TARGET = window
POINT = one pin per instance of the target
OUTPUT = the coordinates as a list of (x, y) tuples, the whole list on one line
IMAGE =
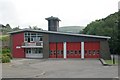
[(26, 39), (62, 52), (40, 38), (37, 39), (25, 33), (50, 52), (75, 52), (79, 51), (28, 33), (33, 34), (93, 52), (54, 52), (67, 52), (32, 37), (40, 51), (33, 51), (26, 51), (41, 44), (71, 52), (38, 34), (29, 51), (89, 51), (58, 52), (98, 51)]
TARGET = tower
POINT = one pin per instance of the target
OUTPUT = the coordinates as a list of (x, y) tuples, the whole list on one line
[(53, 23)]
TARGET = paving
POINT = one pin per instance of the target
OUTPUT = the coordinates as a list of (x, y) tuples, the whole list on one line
[(58, 68)]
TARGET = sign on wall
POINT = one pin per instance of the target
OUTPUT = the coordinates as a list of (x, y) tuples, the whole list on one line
[(18, 47)]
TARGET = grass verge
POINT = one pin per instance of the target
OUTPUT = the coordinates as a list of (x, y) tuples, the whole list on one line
[(111, 62)]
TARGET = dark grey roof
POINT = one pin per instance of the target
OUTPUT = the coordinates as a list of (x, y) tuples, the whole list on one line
[(53, 18), (54, 32)]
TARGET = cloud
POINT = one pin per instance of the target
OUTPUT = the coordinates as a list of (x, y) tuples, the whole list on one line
[(119, 5), (8, 12), (71, 12)]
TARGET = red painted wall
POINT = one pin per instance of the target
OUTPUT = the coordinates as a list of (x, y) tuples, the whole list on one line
[(17, 40)]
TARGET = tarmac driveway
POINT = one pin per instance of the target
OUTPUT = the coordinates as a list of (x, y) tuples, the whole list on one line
[(58, 68)]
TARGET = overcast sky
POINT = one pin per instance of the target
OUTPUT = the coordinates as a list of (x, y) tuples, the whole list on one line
[(71, 12)]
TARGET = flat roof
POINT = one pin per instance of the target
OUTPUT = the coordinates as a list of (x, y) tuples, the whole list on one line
[(53, 18), (62, 33)]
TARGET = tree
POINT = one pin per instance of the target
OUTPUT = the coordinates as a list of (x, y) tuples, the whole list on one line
[(6, 29), (8, 26), (118, 25), (35, 28), (16, 28), (105, 27)]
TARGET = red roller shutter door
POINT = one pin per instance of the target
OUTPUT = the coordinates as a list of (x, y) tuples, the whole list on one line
[(60, 50), (92, 49), (52, 50), (73, 50), (56, 50)]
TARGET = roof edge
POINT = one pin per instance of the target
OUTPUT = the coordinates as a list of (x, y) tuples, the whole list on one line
[(53, 32)]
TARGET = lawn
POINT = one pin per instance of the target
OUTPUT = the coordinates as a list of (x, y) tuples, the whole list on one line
[(4, 37), (111, 62)]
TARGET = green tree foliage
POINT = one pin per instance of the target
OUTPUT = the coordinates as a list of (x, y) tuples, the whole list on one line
[(5, 58), (118, 47), (16, 28), (105, 27), (5, 29), (5, 55), (35, 28)]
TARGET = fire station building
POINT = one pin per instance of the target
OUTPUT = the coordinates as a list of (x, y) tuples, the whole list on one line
[(29, 43)]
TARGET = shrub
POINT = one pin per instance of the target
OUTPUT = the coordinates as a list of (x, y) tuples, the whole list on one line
[(0, 51), (8, 54), (5, 50), (5, 59)]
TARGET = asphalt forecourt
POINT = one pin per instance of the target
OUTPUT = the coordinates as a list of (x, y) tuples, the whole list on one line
[(58, 68)]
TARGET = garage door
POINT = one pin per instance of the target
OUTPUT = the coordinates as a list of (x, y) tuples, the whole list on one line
[(73, 49), (92, 49), (56, 50)]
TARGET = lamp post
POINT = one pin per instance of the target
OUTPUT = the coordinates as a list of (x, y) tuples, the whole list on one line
[(113, 47), (113, 57), (114, 41)]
